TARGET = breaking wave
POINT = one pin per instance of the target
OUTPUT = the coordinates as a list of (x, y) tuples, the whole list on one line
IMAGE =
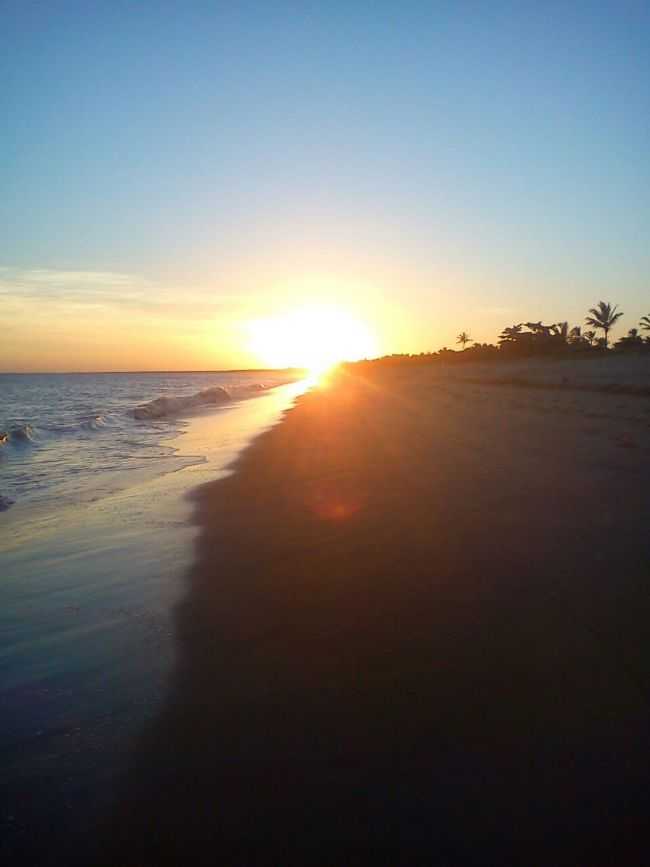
[(59, 434), (21, 434), (162, 407), (27, 434)]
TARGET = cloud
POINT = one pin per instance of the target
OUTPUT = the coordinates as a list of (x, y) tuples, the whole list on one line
[(51, 278), (46, 285), (76, 291)]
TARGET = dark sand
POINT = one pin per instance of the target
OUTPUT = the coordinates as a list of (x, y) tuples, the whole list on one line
[(417, 633)]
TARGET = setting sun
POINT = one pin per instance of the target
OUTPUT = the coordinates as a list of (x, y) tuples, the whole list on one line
[(314, 338)]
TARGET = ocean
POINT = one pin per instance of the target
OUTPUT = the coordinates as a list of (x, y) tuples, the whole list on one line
[(66, 436), (96, 539)]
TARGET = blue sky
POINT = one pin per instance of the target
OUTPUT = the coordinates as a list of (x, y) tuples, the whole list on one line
[(437, 166)]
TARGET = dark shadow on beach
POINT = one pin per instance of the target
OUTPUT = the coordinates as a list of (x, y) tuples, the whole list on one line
[(413, 634)]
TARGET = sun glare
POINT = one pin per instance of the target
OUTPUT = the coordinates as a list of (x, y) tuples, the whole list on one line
[(315, 338)]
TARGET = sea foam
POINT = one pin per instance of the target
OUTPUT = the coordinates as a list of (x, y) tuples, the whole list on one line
[(163, 407), (64, 435)]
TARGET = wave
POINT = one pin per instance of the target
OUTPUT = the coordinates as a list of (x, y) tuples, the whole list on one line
[(27, 434), (162, 407), (21, 434)]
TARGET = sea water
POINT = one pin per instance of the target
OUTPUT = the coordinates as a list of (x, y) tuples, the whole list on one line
[(64, 436), (94, 548)]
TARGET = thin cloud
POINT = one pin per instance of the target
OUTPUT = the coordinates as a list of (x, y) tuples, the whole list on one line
[(93, 290), (55, 278)]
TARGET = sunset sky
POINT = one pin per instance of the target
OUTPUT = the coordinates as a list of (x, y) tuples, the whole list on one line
[(172, 174)]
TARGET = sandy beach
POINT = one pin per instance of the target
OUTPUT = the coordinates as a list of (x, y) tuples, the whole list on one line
[(416, 632), (324, 434)]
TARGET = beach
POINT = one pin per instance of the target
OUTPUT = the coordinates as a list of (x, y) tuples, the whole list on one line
[(415, 632), (324, 434), (92, 562)]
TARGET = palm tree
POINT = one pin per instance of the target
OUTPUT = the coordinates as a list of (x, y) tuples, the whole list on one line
[(463, 338), (603, 317), (645, 322)]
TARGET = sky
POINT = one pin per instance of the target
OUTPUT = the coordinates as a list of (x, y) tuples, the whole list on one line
[(171, 173)]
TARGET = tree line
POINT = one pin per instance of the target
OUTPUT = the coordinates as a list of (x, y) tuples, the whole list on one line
[(535, 339)]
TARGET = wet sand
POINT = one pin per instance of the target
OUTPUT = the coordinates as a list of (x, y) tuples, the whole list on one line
[(416, 633), (87, 638)]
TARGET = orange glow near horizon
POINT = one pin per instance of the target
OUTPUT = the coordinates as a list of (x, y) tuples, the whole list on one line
[(315, 338)]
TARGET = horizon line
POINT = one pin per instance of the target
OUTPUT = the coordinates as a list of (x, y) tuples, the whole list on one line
[(105, 372)]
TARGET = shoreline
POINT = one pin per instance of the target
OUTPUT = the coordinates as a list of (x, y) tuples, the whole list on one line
[(118, 432), (88, 644), (375, 663)]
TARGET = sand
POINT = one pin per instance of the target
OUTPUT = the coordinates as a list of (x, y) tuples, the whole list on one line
[(416, 632)]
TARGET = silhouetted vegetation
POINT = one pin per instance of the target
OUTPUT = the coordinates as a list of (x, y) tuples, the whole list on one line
[(537, 340), (603, 317), (631, 342)]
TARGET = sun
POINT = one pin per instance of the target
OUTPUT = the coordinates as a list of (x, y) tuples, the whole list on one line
[(314, 338)]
